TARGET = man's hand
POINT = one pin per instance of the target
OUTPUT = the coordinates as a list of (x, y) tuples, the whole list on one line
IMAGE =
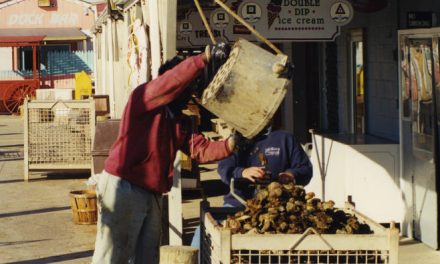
[(286, 177), (253, 173), (217, 54)]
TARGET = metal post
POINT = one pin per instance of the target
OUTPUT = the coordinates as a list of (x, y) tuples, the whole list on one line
[(13, 58), (34, 62)]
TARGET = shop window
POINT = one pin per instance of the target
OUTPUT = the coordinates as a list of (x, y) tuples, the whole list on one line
[(24, 62), (47, 61), (357, 82)]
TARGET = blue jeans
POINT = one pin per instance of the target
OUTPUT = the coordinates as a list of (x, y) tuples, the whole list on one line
[(129, 222)]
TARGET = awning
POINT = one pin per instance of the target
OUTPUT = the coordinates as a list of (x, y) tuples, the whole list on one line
[(20, 39), (8, 35)]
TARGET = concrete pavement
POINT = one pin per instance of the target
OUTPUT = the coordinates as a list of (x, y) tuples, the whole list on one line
[(36, 219)]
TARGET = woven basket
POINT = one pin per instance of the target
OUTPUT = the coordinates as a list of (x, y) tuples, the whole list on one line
[(84, 207)]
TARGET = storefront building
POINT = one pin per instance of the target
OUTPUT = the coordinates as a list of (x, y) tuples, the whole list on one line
[(373, 142), (60, 31)]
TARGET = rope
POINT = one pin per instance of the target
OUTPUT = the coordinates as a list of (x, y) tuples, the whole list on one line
[(241, 20), (205, 21), (131, 44)]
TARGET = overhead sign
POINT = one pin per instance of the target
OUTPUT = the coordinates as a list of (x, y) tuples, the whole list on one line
[(277, 20), (419, 19), (27, 14)]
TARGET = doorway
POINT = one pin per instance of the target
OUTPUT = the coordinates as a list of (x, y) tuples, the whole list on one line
[(306, 97), (419, 89), (357, 85)]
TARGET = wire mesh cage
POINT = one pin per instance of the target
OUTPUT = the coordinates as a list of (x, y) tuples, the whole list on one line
[(218, 245), (58, 135)]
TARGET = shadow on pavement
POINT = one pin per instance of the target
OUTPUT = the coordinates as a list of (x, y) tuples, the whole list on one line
[(11, 146), (58, 258), (64, 175), (408, 242), (36, 211), (2, 244), (11, 181)]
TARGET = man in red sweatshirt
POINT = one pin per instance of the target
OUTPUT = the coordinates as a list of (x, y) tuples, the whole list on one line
[(139, 168)]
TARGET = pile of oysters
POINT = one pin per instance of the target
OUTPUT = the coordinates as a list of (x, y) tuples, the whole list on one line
[(288, 209)]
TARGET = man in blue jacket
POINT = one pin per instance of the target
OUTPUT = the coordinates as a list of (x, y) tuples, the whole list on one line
[(284, 160), (274, 154)]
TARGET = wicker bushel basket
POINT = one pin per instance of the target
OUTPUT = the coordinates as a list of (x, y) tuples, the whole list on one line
[(84, 207)]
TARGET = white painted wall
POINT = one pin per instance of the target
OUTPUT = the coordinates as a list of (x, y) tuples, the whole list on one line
[(369, 173), (121, 86), (5, 59)]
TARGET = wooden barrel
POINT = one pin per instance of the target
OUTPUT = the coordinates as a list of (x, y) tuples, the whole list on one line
[(247, 90), (178, 255), (84, 207)]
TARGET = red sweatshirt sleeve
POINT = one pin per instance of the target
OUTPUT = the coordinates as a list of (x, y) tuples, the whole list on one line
[(168, 86), (203, 150)]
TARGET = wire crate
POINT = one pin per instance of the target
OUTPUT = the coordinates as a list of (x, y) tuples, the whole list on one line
[(58, 135), (218, 245)]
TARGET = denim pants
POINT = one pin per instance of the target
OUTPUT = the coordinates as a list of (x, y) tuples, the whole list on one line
[(129, 223)]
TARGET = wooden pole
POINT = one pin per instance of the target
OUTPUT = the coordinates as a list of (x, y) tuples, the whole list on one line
[(178, 255), (168, 24), (154, 37), (175, 211), (241, 20)]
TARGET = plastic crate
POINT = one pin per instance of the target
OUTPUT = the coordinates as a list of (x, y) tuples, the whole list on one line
[(218, 245)]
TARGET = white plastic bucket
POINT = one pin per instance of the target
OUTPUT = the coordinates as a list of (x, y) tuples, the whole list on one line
[(247, 90)]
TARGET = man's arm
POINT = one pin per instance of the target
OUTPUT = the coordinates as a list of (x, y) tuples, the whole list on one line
[(228, 168), (167, 87), (203, 150)]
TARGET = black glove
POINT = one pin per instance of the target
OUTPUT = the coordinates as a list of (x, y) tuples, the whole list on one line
[(220, 53), (217, 55)]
